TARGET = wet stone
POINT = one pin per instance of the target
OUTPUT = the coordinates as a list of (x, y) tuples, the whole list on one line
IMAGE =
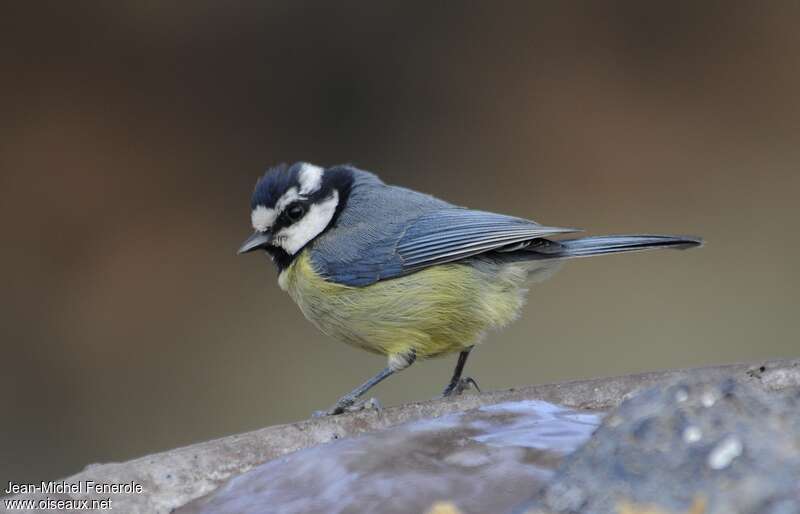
[(717, 448), (482, 461)]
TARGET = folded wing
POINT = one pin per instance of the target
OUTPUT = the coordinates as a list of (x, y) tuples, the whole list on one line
[(452, 234)]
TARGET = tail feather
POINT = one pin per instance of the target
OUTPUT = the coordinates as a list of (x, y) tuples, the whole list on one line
[(599, 245)]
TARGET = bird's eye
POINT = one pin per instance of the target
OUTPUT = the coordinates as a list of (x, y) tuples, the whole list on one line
[(295, 212)]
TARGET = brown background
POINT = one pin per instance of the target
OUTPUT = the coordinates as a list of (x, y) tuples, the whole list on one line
[(132, 134)]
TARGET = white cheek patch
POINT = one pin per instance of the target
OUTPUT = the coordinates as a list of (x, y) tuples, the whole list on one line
[(310, 178), (296, 236)]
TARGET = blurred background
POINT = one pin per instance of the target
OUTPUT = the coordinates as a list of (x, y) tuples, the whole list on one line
[(132, 133)]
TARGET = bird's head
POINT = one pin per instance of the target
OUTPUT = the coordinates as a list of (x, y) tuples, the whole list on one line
[(292, 205)]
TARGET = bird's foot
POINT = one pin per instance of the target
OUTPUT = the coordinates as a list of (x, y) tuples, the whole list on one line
[(456, 387), (350, 404), (371, 404)]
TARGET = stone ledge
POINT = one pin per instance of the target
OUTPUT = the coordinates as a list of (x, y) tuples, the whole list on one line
[(171, 479)]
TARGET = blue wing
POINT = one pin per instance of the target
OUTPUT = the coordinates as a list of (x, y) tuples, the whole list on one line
[(452, 234), (387, 232), (374, 252)]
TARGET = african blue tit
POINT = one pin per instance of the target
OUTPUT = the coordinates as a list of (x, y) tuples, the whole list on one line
[(401, 273)]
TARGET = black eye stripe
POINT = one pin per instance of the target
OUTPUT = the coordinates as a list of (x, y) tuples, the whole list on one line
[(291, 214)]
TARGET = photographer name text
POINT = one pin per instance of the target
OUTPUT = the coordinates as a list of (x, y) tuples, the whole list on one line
[(78, 487)]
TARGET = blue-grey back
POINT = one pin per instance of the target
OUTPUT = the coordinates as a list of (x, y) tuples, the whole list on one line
[(385, 231), (362, 247)]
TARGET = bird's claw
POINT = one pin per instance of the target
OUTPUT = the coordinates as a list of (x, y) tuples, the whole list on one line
[(350, 404), (455, 388), (371, 404)]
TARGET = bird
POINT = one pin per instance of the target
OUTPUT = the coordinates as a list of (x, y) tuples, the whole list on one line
[(404, 274)]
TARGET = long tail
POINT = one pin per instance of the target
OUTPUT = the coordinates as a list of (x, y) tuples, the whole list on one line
[(599, 245)]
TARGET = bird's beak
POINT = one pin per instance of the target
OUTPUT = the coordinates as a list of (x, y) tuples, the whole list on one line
[(256, 241)]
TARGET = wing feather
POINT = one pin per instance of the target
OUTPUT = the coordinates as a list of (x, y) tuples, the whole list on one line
[(445, 242), (451, 234)]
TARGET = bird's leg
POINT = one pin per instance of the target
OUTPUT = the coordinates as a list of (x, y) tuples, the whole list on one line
[(347, 401), (397, 363), (457, 384)]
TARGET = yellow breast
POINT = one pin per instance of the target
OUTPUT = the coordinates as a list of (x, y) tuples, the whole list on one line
[(439, 310)]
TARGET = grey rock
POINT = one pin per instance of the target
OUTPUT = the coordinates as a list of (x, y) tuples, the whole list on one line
[(724, 444), (172, 478), (484, 461)]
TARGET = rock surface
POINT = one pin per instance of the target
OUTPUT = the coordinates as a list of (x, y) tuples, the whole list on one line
[(486, 460), (171, 479), (720, 447)]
